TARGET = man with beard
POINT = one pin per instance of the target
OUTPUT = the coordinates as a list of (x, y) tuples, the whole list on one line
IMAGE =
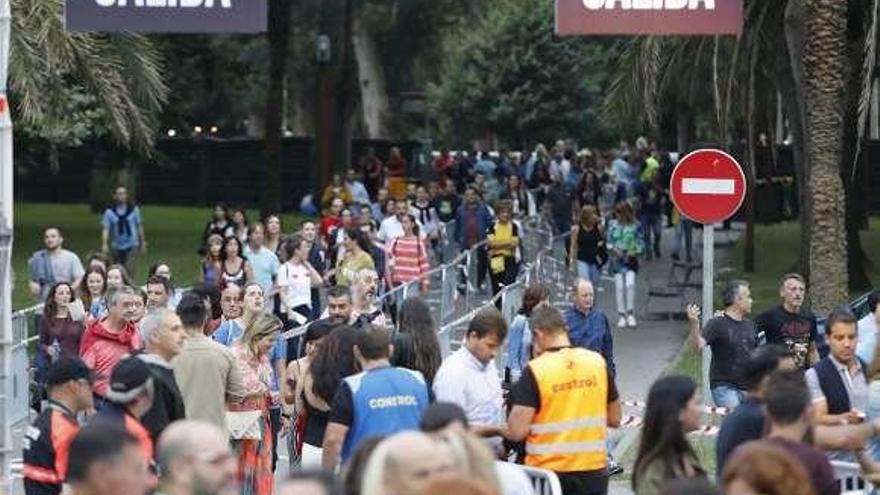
[(363, 291), (196, 460)]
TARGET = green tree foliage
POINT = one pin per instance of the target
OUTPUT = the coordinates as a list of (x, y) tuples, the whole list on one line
[(68, 86), (507, 74)]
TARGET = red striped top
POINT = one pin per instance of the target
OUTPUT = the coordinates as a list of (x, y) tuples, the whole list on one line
[(408, 259)]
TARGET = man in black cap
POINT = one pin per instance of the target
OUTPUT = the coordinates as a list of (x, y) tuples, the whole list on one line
[(47, 441), (129, 397)]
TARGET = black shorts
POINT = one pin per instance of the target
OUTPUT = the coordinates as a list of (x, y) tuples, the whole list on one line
[(584, 482)]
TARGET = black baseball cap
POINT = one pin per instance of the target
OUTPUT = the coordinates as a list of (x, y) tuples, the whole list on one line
[(69, 369), (127, 380)]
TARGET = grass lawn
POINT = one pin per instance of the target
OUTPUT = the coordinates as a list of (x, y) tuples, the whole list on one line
[(776, 248), (173, 236)]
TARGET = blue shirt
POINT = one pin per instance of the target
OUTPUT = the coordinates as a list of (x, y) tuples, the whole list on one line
[(591, 331), (265, 265), (123, 228), (378, 402), (230, 331)]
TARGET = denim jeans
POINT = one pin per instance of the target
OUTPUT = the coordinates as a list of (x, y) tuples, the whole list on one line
[(727, 396), (588, 271), (652, 228)]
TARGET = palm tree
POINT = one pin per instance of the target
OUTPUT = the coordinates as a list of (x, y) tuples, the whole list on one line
[(116, 79), (824, 79)]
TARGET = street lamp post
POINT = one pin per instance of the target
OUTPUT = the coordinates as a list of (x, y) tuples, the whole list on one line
[(5, 250)]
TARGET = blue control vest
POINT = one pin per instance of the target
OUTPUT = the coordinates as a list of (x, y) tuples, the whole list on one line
[(385, 401)]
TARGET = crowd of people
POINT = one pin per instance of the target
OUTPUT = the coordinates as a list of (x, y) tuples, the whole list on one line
[(284, 345)]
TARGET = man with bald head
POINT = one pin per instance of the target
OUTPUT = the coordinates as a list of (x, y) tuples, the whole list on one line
[(195, 459), (405, 463), (588, 327)]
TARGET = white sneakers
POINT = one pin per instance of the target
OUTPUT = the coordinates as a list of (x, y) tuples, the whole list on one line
[(627, 322)]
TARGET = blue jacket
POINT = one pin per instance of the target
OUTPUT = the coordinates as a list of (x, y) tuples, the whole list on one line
[(519, 345), (591, 331), (384, 401), (484, 220)]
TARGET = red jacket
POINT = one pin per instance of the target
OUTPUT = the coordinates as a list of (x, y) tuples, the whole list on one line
[(101, 349)]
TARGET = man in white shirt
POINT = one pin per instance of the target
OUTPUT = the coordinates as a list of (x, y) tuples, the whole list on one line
[(391, 227), (470, 378)]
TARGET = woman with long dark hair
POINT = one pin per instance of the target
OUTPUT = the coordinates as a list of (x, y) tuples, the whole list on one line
[(60, 330), (408, 256), (332, 362), (672, 412), (356, 258), (273, 233), (519, 342), (240, 223), (93, 288), (415, 344), (219, 223), (234, 266)]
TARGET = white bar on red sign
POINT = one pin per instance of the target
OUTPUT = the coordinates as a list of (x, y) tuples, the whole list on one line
[(707, 186)]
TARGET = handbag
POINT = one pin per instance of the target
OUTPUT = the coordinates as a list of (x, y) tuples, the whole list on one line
[(244, 425)]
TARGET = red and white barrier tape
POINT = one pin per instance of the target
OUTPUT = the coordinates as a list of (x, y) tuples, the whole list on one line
[(710, 410), (632, 421)]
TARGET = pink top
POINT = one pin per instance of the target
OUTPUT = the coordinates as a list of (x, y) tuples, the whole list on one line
[(256, 374)]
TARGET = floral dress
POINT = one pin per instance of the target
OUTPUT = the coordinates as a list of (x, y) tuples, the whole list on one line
[(626, 243), (255, 474)]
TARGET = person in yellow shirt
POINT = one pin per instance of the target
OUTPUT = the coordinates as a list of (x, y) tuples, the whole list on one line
[(562, 405), (504, 253)]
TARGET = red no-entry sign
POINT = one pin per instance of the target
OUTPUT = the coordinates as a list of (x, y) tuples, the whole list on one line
[(708, 186)]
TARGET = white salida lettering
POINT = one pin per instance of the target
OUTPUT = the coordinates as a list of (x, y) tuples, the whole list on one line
[(640, 4)]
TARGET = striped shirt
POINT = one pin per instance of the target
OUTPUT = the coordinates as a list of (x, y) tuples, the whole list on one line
[(408, 259)]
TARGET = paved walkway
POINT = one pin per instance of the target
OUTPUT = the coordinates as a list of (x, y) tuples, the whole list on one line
[(644, 353)]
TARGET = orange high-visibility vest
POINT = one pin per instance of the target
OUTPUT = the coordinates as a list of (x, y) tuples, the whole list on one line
[(569, 430)]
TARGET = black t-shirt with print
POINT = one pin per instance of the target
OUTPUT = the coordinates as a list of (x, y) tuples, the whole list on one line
[(797, 331), (732, 342)]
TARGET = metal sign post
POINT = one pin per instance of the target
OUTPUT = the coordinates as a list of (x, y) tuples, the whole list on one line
[(708, 297), (5, 251), (708, 186)]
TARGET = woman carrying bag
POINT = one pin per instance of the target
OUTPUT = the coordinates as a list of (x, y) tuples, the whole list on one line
[(249, 423)]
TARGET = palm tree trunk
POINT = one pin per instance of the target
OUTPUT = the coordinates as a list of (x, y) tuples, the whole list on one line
[(790, 77), (824, 63), (279, 37), (371, 78)]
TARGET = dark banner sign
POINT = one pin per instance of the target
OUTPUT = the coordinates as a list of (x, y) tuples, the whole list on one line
[(166, 16), (586, 17)]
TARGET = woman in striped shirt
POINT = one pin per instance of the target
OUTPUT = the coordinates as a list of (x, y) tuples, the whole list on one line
[(407, 256)]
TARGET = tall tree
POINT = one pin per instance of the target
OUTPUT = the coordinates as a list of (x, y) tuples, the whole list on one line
[(824, 73), (279, 38)]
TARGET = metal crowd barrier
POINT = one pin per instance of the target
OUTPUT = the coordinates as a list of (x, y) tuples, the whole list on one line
[(17, 387)]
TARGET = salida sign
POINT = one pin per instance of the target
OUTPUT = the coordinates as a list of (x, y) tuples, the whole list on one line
[(166, 16), (648, 16)]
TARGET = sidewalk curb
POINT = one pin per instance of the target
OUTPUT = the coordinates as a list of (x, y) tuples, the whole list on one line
[(629, 437)]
